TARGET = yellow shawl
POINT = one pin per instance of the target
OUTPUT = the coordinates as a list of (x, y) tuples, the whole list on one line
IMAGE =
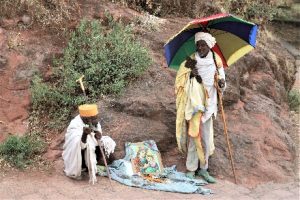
[(182, 96)]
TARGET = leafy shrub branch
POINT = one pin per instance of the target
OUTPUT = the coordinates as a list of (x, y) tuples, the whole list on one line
[(20, 151), (109, 58)]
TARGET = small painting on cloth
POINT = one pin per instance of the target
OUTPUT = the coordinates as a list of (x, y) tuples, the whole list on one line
[(145, 157)]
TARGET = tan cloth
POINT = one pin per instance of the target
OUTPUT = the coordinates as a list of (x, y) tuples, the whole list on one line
[(182, 77)]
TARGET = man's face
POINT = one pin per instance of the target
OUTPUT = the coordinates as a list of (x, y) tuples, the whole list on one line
[(149, 158), (142, 153), (202, 48), (91, 120)]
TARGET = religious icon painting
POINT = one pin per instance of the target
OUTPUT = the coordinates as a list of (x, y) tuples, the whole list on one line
[(145, 157)]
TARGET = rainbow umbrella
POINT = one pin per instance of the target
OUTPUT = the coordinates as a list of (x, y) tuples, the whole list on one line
[(235, 38)]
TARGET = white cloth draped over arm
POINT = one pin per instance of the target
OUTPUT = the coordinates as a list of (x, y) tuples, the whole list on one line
[(72, 149), (196, 98), (108, 144), (222, 76), (90, 157), (221, 72)]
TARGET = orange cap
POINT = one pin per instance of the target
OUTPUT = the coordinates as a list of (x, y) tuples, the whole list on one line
[(88, 110)]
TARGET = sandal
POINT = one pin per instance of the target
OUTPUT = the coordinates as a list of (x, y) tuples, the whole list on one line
[(205, 175), (190, 175)]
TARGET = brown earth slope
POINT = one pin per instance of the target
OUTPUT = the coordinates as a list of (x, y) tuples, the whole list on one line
[(255, 101)]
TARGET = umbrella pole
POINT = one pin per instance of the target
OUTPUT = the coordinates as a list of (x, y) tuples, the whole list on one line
[(226, 133), (100, 147)]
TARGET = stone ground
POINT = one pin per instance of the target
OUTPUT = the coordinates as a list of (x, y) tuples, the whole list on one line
[(54, 185)]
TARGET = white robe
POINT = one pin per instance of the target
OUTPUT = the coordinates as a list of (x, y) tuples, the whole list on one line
[(72, 150), (206, 69)]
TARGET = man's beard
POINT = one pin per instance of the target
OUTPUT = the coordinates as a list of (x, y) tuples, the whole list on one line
[(202, 55)]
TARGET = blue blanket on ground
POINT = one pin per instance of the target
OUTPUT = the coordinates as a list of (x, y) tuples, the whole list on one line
[(174, 181), (170, 180)]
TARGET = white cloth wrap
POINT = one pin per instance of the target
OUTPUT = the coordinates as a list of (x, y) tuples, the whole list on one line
[(208, 38), (72, 150), (108, 144), (206, 69)]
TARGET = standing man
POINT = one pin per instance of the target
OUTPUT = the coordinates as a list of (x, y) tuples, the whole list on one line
[(81, 150), (196, 86)]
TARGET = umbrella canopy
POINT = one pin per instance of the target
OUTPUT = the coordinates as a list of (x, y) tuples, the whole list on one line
[(235, 37)]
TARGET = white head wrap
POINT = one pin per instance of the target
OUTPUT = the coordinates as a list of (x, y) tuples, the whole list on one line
[(208, 38)]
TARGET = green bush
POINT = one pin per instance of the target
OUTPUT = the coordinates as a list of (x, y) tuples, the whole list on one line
[(294, 100), (109, 58), (50, 104), (20, 151)]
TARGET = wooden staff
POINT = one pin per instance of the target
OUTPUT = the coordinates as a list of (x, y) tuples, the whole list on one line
[(225, 131), (105, 163), (223, 116)]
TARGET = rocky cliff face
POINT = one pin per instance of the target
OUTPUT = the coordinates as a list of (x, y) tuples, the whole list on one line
[(258, 116), (22, 54)]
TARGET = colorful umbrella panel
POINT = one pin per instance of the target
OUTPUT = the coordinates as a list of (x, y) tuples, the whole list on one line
[(235, 37)]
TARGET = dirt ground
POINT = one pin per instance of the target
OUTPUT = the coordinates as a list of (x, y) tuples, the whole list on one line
[(54, 185)]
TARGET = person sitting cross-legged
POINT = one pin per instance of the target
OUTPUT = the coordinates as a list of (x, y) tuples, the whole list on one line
[(81, 150)]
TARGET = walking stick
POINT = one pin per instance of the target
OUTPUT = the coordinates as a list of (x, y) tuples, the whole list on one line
[(105, 163), (93, 128), (225, 132)]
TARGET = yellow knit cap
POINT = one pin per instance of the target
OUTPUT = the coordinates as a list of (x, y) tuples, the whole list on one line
[(88, 110)]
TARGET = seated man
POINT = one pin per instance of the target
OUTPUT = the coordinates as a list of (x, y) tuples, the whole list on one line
[(81, 150)]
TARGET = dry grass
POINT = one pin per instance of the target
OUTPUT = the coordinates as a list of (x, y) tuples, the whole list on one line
[(149, 22), (191, 8), (46, 13), (259, 11)]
